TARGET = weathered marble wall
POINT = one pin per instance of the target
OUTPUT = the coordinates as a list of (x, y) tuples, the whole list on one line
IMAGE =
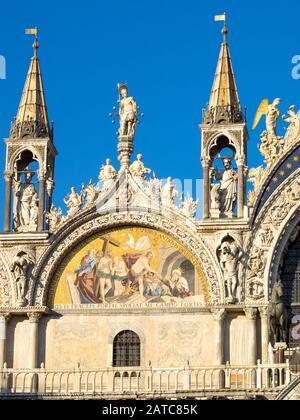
[(167, 340)]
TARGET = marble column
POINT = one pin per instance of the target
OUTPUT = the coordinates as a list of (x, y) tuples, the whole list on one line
[(41, 203), (206, 188), (251, 315), (219, 317), (8, 196), (264, 316), (4, 318), (241, 190), (34, 319)]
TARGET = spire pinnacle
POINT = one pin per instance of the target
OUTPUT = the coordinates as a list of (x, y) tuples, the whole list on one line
[(225, 29), (32, 117), (224, 104)]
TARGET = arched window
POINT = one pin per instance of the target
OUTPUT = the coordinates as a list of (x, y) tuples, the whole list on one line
[(127, 350)]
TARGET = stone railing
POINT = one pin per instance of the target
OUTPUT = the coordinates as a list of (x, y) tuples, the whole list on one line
[(149, 381)]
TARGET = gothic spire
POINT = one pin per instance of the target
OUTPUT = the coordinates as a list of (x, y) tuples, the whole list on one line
[(32, 118), (224, 104)]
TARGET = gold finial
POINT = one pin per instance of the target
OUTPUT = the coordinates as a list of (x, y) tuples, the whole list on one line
[(35, 32)]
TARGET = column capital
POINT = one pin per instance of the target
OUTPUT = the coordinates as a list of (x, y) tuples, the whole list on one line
[(34, 317), (240, 160), (7, 176), (218, 314), (5, 316), (206, 161), (264, 312), (251, 313)]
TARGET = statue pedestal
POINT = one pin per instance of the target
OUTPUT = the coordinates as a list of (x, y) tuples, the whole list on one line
[(125, 150), (21, 303), (279, 350)]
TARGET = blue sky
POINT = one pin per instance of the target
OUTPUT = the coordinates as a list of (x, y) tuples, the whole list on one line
[(167, 52)]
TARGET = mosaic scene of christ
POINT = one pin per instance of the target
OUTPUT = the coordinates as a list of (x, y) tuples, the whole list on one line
[(132, 265)]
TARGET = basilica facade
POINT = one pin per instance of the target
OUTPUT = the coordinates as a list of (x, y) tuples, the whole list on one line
[(127, 293)]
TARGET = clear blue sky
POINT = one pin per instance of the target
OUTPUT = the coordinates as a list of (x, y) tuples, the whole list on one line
[(166, 50)]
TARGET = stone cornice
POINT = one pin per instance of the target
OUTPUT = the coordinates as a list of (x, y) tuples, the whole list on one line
[(147, 309), (10, 310)]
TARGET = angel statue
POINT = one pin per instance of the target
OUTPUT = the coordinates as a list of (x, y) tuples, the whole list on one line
[(272, 114), (74, 202), (272, 144), (128, 112)]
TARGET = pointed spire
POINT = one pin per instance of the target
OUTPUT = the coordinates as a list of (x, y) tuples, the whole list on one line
[(32, 117), (224, 103)]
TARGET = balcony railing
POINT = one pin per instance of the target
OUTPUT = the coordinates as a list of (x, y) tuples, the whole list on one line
[(133, 381)]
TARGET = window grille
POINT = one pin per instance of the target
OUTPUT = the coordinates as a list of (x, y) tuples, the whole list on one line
[(127, 350)]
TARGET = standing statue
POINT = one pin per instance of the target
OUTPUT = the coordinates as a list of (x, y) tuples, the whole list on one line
[(272, 114), (74, 202), (108, 176), (26, 211), (278, 318), (154, 189), (230, 256), (169, 193), (138, 169), (91, 193), (50, 186), (228, 189), (21, 268), (53, 218), (128, 113)]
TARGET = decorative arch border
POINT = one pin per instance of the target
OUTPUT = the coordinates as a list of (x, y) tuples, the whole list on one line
[(23, 148), (281, 244), (7, 286), (269, 175), (268, 236), (233, 140), (72, 236)]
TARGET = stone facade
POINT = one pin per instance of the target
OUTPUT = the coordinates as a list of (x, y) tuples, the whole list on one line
[(202, 295)]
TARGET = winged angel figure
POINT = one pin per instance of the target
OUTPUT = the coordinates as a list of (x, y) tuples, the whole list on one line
[(272, 144)]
